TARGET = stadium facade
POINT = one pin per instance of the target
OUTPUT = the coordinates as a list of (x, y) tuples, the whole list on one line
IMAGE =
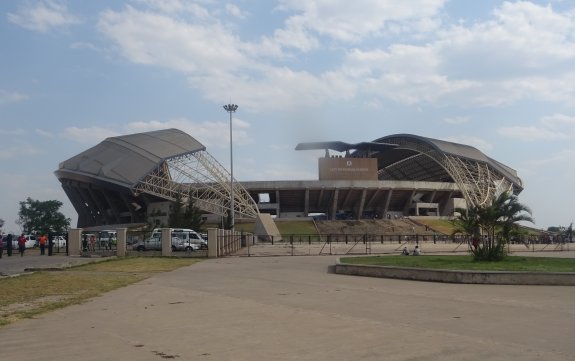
[(135, 178)]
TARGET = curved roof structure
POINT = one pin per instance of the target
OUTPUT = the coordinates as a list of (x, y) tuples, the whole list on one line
[(128, 159), (108, 182), (124, 180), (417, 158)]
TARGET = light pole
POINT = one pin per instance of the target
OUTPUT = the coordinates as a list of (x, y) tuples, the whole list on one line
[(231, 108)]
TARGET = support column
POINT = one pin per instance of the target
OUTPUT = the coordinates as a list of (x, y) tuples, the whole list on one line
[(387, 201), (306, 202), (212, 242), (361, 204), (121, 235), (334, 204), (408, 203), (278, 203), (74, 241), (166, 242)]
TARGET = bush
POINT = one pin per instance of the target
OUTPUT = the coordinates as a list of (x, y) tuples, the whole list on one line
[(486, 252)]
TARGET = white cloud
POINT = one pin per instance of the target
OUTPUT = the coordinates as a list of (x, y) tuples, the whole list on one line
[(7, 97), (88, 136), (18, 150), (352, 21), (175, 7), (84, 45), (553, 127), (235, 11), (556, 167), (43, 15), (156, 39), (211, 134), (471, 65), (560, 121), (530, 133), (12, 132), (456, 120), (44, 133)]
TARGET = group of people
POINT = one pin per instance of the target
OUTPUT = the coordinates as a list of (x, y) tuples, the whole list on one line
[(6, 242), (416, 251)]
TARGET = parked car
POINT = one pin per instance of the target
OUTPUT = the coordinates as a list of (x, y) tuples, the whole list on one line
[(59, 242), (30, 241), (155, 244), (107, 238)]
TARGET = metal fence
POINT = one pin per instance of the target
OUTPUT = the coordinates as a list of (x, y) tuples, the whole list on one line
[(374, 244)]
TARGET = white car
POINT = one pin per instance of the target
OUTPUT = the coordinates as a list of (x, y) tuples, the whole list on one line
[(154, 243), (59, 242)]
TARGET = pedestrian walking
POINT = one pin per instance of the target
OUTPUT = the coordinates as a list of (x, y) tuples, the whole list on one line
[(42, 242), (21, 244)]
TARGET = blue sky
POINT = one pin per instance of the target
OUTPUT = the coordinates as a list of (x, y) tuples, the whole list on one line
[(498, 75)]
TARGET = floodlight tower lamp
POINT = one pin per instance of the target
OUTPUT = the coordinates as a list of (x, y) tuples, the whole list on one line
[(231, 108)]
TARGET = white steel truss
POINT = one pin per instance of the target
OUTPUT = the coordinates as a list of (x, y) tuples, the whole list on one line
[(478, 182), (199, 176)]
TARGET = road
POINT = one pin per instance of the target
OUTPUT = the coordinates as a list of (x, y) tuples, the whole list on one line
[(292, 308)]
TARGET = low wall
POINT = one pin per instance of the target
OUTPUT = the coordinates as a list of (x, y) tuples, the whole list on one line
[(450, 276)]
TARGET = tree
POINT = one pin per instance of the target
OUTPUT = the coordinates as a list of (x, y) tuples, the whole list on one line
[(496, 224), (42, 216), (176, 218), (186, 216), (467, 223), (194, 216), (569, 232)]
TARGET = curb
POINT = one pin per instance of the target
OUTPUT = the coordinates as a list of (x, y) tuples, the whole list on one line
[(452, 276)]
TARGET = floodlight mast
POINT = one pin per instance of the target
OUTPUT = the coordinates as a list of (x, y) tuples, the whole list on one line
[(231, 108)]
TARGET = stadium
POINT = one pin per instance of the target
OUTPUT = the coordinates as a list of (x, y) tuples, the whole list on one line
[(133, 179)]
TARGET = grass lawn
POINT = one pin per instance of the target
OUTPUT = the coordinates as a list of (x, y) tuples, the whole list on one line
[(30, 295), (511, 263), (296, 227)]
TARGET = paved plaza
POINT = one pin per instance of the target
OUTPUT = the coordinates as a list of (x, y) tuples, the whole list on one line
[(14, 265), (293, 308)]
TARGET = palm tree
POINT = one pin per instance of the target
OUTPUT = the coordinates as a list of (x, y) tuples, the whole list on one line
[(497, 222), (467, 223), (511, 212)]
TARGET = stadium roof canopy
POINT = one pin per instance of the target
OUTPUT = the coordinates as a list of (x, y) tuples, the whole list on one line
[(417, 158), (128, 159), (343, 146), (108, 180)]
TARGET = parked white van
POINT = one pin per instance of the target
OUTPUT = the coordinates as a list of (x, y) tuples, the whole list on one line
[(190, 239), (30, 241)]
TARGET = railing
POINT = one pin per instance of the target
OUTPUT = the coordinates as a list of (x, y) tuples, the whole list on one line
[(362, 244)]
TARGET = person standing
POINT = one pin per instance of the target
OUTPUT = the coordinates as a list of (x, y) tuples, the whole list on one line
[(9, 244), (93, 243), (42, 242), (1, 245), (21, 244)]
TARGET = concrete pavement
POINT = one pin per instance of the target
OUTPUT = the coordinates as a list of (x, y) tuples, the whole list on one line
[(291, 308), (10, 266)]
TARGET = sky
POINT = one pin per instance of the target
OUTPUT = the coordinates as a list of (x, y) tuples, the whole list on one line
[(497, 75)]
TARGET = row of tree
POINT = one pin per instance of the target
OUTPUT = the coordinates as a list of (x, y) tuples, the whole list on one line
[(36, 216), (41, 217)]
